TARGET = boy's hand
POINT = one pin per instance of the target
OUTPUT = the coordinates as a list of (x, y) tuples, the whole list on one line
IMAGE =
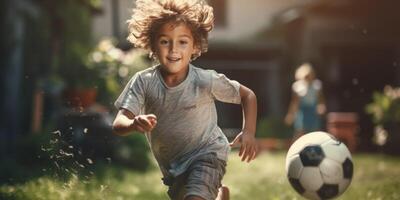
[(144, 123), (248, 146)]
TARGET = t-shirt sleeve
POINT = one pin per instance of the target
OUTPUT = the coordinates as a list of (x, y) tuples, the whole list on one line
[(224, 89), (317, 84), (132, 97)]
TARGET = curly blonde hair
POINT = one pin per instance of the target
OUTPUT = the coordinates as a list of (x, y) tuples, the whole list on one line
[(303, 71), (150, 15)]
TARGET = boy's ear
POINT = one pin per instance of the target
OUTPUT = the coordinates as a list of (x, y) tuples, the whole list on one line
[(197, 50), (196, 54)]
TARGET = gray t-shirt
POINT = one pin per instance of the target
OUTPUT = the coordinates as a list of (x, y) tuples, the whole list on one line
[(186, 114)]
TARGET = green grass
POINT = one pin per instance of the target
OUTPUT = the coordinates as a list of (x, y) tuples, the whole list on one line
[(376, 177)]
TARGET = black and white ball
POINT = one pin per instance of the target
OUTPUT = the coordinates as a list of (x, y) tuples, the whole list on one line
[(319, 166)]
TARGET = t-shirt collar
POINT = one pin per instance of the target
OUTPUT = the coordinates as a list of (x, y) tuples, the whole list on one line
[(180, 85)]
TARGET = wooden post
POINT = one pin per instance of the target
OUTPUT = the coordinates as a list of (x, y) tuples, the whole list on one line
[(37, 113)]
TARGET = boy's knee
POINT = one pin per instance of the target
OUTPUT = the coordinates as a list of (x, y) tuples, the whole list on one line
[(193, 197)]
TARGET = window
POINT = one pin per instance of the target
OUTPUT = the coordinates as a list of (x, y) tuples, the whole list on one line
[(220, 12)]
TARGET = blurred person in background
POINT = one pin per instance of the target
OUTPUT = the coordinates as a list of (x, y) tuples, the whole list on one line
[(307, 104)]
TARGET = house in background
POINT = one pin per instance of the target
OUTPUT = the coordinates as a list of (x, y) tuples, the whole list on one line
[(353, 44), (235, 20), (237, 47)]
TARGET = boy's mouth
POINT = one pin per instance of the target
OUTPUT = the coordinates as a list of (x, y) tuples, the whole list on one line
[(173, 59)]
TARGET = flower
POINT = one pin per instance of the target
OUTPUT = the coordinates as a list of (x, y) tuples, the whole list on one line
[(385, 107), (385, 111), (112, 61), (380, 136), (113, 66)]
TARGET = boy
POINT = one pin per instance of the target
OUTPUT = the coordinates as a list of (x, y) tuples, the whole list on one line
[(173, 102)]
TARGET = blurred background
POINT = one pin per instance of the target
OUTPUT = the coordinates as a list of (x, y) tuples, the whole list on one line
[(65, 62)]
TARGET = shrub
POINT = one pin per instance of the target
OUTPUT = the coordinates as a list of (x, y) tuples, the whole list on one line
[(385, 111), (385, 107), (271, 127)]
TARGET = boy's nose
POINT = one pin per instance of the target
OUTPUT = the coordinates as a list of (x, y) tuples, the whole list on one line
[(173, 47)]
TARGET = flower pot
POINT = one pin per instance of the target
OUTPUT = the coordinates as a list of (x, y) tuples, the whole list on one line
[(344, 126), (82, 97)]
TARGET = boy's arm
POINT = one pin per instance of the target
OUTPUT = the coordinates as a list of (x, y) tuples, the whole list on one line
[(126, 122), (247, 139), (293, 106), (321, 107)]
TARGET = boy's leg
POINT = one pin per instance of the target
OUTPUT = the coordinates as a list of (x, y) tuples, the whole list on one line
[(204, 178), (223, 193), (176, 186)]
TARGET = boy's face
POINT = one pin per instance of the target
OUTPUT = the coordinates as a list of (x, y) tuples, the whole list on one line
[(174, 46)]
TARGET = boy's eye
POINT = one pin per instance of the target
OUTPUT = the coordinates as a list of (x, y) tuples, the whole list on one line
[(163, 42), (183, 42)]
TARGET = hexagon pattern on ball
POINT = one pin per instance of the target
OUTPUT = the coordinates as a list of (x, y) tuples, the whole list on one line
[(328, 191), (311, 155), (347, 168), (318, 166), (295, 167)]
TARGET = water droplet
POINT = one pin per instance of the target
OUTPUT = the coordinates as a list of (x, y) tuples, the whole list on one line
[(53, 141), (58, 166), (68, 154), (355, 81), (44, 149), (57, 132), (102, 188)]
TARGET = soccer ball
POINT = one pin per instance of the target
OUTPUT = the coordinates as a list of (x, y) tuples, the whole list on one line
[(319, 166)]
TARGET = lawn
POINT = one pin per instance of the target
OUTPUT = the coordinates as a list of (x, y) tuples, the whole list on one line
[(375, 177)]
